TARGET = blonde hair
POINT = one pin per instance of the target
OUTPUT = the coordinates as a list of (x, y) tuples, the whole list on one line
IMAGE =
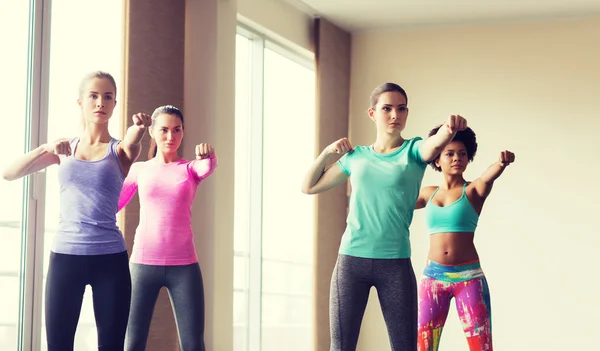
[(90, 76)]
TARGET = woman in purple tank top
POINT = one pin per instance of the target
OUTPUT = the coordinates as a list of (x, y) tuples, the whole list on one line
[(89, 248)]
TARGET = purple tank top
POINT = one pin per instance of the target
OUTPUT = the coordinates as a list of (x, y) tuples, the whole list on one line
[(89, 196)]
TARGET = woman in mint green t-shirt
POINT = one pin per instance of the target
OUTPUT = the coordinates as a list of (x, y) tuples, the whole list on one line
[(375, 249)]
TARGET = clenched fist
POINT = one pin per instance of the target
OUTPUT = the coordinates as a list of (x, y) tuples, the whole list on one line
[(60, 147), (506, 158), (341, 146), (142, 120), (456, 123), (203, 151)]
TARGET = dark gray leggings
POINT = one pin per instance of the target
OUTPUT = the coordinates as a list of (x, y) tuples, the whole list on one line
[(68, 275), (396, 287), (186, 291)]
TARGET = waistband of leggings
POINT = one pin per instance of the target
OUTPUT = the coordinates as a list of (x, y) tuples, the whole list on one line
[(453, 273)]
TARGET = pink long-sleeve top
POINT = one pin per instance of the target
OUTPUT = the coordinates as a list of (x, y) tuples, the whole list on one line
[(164, 236)]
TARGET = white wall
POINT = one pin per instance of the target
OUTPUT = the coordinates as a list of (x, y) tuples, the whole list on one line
[(531, 88)]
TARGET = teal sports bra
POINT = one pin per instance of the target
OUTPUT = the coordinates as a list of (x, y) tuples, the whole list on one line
[(459, 216)]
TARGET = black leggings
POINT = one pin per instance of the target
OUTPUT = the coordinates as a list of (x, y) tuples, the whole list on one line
[(186, 291), (396, 287), (68, 275)]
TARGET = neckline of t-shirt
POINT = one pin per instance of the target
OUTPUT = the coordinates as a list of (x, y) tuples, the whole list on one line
[(181, 160), (373, 152)]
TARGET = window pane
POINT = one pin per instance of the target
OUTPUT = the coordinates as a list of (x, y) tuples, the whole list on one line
[(288, 215), (273, 281), (241, 222), (80, 43), (14, 26)]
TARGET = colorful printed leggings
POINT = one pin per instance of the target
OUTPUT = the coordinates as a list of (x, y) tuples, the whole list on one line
[(467, 284)]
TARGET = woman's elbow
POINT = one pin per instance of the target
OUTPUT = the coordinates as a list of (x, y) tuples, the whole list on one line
[(8, 176), (306, 190)]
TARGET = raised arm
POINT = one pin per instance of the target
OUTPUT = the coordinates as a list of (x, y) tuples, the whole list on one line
[(432, 147), (38, 159), (130, 186), (206, 161), (130, 147), (318, 179), (483, 185)]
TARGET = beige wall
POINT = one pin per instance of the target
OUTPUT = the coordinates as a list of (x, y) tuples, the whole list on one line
[(204, 38), (531, 88), (209, 94), (332, 101), (279, 20), (154, 57)]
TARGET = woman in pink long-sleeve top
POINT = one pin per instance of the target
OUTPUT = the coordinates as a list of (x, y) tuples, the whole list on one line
[(163, 252)]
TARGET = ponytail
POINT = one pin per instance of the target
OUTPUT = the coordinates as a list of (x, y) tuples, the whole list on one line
[(152, 150)]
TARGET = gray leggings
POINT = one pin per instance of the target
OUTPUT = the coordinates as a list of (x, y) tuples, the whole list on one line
[(396, 287), (186, 291)]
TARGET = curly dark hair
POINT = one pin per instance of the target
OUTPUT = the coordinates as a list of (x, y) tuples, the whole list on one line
[(467, 137)]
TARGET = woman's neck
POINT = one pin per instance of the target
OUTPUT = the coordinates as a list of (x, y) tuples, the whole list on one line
[(95, 133), (162, 157), (452, 181), (387, 143)]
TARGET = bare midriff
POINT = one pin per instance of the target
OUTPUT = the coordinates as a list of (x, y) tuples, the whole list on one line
[(452, 248)]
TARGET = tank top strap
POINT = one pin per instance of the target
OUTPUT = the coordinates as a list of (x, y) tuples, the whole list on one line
[(435, 192), (113, 146), (464, 191), (73, 143), (114, 152)]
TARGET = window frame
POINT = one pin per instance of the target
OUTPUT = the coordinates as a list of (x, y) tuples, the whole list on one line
[(259, 42), (33, 228)]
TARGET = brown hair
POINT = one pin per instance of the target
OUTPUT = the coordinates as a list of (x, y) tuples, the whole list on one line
[(162, 110), (385, 88)]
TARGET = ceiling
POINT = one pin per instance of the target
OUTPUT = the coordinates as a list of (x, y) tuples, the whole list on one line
[(357, 15)]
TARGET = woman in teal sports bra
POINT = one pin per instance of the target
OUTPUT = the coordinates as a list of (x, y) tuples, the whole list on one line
[(453, 269)]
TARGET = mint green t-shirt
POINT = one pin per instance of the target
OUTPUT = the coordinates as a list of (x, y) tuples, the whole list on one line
[(385, 188)]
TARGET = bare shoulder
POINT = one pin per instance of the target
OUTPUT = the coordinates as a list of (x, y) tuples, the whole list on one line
[(473, 194), (424, 196), (427, 191), (472, 187), (120, 146)]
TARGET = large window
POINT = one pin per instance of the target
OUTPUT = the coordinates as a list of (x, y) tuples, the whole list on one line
[(96, 50), (14, 19), (274, 221), (52, 45)]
